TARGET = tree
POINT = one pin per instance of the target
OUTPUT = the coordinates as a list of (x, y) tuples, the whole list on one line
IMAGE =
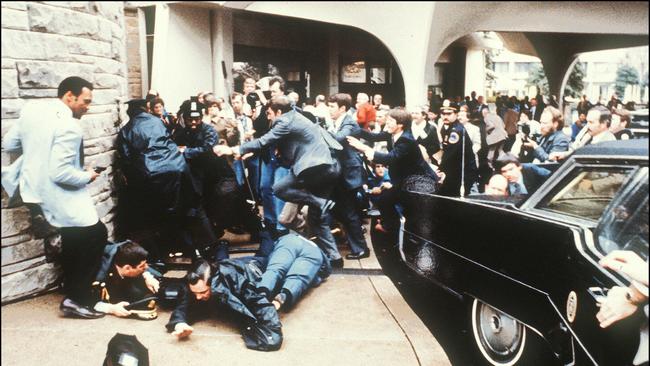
[(575, 84), (625, 75), (573, 87), (490, 76), (537, 77)]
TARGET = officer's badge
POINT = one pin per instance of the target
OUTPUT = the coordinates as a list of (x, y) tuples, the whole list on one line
[(453, 137)]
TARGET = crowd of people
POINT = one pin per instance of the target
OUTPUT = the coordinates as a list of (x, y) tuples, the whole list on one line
[(246, 163)]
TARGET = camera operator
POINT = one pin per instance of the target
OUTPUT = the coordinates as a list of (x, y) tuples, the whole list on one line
[(552, 138), (526, 129), (254, 98)]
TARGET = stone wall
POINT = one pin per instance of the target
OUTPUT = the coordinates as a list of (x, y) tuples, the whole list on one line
[(43, 43), (132, 23)]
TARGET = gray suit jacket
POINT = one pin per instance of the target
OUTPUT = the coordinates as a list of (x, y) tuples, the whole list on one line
[(49, 171), (298, 140), (352, 172)]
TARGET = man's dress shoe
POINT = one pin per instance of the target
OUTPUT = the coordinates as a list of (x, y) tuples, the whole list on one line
[(360, 255), (71, 309)]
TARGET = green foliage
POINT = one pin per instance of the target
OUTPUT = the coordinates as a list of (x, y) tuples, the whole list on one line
[(537, 77), (573, 88), (490, 76), (575, 84), (625, 75)]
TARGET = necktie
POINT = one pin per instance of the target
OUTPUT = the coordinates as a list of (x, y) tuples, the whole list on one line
[(516, 188), (81, 153)]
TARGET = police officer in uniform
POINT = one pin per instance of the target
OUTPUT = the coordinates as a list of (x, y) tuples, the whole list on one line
[(457, 153), (125, 278)]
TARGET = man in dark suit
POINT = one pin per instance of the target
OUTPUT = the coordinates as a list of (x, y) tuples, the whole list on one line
[(404, 159), (536, 108), (352, 175), (522, 179), (229, 284), (302, 148)]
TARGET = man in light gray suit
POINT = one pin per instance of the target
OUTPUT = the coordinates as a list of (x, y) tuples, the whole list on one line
[(50, 174), (301, 147)]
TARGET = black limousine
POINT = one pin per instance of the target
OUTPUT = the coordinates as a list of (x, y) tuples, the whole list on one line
[(527, 267)]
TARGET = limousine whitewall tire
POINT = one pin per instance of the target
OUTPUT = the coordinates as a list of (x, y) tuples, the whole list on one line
[(500, 338)]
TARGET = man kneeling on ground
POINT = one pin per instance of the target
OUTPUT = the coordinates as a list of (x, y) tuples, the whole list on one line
[(125, 283)]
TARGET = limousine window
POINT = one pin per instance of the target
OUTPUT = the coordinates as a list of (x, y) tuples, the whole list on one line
[(585, 192), (624, 225)]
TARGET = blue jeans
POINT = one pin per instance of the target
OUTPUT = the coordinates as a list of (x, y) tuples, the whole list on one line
[(240, 174), (267, 175), (253, 165), (293, 265)]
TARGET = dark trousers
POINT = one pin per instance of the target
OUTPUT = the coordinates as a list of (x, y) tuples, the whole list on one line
[(347, 212), (509, 142), (311, 188), (82, 249), (389, 214)]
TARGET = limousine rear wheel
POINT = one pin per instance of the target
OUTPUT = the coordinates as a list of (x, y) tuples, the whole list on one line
[(500, 338)]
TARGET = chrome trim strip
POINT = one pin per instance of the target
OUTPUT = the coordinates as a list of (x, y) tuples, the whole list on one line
[(402, 223), (591, 245)]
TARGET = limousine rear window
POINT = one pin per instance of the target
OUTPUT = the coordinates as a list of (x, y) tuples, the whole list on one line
[(585, 192), (624, 225)]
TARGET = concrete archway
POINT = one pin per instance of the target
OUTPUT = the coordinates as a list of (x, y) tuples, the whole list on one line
[(416, 33), (578, 28)]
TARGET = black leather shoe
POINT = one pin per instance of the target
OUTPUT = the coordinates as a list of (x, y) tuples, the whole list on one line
[(361, 255), (337, 263), (71, 309)]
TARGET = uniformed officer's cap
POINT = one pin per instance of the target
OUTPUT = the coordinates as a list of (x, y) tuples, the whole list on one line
[(448, 106), (191, 109), (137, 103), (195, 111), (136, 106)]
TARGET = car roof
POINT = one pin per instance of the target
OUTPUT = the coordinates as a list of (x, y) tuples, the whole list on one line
[(633, 147)]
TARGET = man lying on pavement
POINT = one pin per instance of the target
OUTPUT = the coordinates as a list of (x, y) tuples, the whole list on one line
[(228, 284)]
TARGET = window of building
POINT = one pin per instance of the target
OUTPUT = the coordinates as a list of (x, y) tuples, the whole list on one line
[(258, 63), (378, 75), (605, 67), (150, 25), (354, 72), (523, 67), (502, 67)]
